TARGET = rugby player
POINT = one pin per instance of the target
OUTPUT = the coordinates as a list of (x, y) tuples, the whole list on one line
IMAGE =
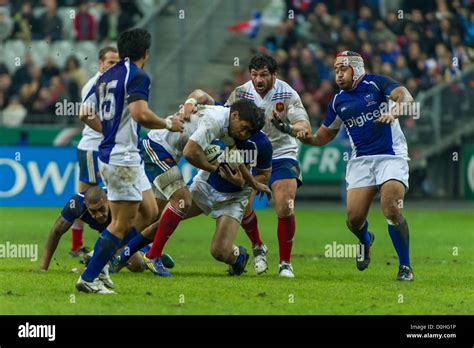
[(120, 98), (285, 117), (379, 152), (91, 207), (162, 151), (88, 150)]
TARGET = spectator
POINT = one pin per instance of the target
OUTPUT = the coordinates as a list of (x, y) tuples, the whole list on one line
[(113, 22), (49, 69), (14, 113), (25, 26), (6, 25), (22, 74), (5, 89), (381, 33), (75, 72), (49, 23), (84, 23)]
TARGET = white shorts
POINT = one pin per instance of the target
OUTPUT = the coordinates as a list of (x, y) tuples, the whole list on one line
[(375, 170), (124, 183), (208, 199)]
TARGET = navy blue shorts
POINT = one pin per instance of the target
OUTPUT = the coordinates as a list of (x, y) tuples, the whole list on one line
[(88, 167), (285, 168), (157, 159)]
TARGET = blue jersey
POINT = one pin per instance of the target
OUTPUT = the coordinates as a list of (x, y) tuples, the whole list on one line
[(120, 85), (75, 208), (258, 144), (358, 109)]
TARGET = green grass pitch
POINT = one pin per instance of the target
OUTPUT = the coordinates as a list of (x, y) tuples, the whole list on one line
[(442, 251)]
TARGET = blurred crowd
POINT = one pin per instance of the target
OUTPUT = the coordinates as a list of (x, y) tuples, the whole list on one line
[(29, 90), (422, 45)]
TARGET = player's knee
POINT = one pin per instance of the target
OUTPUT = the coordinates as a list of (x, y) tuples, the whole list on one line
[(182, 200), (354, 222), (285, 206), (392, 214)]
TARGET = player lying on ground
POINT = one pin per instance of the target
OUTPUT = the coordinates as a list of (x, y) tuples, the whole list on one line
[(162, 152), (92, 208), (88, 150), (285, 117), (379, 152), (120, 98)]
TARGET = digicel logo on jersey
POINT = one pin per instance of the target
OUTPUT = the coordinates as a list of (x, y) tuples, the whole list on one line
[(365, 117)]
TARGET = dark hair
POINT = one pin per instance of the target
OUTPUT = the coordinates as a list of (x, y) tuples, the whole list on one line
[(104, 50), (133, 43), (248, 111), (260, 61), (72, 59), (94, 195)]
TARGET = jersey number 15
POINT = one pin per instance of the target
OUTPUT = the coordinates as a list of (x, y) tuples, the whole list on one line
[(107, 100)]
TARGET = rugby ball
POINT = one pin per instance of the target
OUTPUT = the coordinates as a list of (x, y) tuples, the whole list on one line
[(213, 151)]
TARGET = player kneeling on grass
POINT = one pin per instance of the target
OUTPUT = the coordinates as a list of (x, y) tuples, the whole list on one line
[(162, 152), (91, 207), (379, 152)]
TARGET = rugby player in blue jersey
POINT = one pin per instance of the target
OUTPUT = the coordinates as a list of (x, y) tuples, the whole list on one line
[(120, 98), (92, 208), (369, 106)]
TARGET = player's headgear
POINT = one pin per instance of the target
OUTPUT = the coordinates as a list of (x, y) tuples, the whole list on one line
[(354, 61)]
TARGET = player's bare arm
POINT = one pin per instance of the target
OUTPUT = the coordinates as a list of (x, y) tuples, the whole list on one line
[(398, 95), (89, 117), (250, 179), (198, 96), (195, 155), (142, 114), (60, 227), (300, 126), (263, 175), (322, 136)]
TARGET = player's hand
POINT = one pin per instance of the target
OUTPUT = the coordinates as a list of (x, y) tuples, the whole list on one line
[(187, 110), (282, 126), (303, 134), (385, 118), (175, 123), (262, 189), (235, 178)]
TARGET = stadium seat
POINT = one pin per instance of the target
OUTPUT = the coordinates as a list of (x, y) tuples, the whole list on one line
[(86, 52), (40, 50), (61, 50), (65, 13)]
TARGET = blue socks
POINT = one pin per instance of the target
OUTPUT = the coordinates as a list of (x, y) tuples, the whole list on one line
[(135, 244), (128, 237), (104, 249), (401, 241), (363, 234)]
